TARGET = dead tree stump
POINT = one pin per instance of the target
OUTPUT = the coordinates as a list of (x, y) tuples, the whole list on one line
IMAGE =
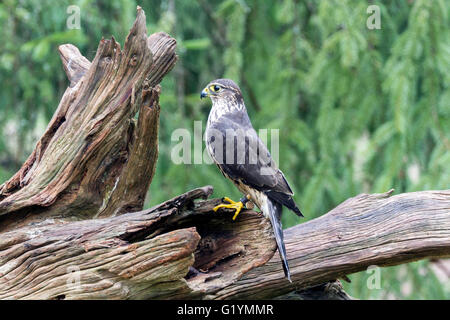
[(94, 151)]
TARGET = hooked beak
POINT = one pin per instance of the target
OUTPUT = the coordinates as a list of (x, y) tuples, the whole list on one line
[(205, 93)]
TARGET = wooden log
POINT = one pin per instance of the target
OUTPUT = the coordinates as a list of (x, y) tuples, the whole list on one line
[(139, 255), (148, 254), (369, 229)]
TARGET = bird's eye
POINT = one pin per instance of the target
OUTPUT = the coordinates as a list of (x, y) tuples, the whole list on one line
[(215, 88)]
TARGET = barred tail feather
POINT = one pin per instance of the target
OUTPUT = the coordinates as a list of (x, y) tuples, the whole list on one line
[(274, 212)]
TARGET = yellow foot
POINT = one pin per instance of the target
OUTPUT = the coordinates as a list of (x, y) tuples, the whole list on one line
[(232, 205)]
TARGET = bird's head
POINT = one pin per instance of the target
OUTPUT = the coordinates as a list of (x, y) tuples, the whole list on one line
[(222, 89)]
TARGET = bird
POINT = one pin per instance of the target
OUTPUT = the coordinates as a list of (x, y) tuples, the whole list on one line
[(242, 157)]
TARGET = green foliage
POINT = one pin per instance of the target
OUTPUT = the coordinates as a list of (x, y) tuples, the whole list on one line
[(413, 281), (358, 110)]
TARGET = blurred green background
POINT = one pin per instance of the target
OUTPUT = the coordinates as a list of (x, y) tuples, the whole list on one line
[(358, 110)]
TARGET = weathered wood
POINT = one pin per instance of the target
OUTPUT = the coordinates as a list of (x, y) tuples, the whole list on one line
[(369, 229), (93, 150), (139, 255), (332, 290), (148, 254)]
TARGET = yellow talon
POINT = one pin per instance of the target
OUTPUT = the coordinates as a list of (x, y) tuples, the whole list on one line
[(233, 205)]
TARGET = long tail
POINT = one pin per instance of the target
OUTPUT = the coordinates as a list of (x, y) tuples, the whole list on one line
[(274, 213)]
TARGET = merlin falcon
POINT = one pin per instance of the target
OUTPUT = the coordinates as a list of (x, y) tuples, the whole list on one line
[(242, 157)]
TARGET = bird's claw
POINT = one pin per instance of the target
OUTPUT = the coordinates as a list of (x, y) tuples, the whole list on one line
[(232, 205)]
